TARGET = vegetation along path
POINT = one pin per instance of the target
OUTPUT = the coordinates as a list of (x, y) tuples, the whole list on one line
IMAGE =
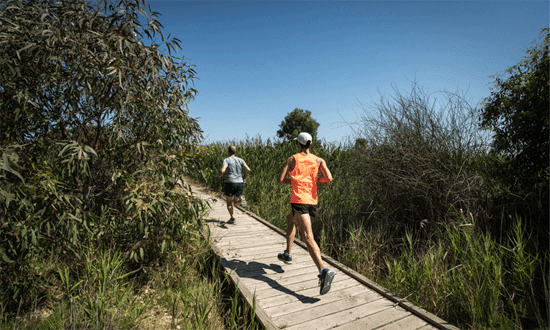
[(287, 296)]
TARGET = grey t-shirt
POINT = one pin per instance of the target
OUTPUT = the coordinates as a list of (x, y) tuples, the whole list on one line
[(234, 171)]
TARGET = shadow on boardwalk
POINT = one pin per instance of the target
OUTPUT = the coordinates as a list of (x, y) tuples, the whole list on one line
[(221, 224), (257, 270)]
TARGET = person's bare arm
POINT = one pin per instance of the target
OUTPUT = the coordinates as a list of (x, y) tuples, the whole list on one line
[(289, 166), (222, 171), (246, 172), (327, 176)]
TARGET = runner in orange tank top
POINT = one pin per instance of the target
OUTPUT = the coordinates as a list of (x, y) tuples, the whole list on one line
[(304, 179), (303, 169)]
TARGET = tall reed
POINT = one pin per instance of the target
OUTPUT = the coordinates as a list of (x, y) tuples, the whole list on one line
[(415, 220), (185, 291)]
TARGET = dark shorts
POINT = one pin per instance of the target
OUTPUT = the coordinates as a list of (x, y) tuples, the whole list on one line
[(234, 189), (304, 209)]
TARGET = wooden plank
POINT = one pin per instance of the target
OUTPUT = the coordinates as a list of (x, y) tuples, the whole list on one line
[(222, 232), (243, 226), (295, 283), (410, 322), (333, 297), (310, 295), (253, 269), (249, 297), (273, 248), (273, 274), (271, 257), (341, 317), (428, 327), (251, 232), (299, 287), (384, 318), (249, 241), (258, 246), (321, 309), (267, 283), (253, 235), (259, 280)]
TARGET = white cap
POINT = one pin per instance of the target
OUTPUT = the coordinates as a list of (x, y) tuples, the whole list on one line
[(303, 138)]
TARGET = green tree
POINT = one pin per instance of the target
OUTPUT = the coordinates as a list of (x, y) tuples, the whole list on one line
[(517, 112), (92, 108), (296, 122)]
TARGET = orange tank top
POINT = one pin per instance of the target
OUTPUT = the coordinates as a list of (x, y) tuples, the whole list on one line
[(304, 179)]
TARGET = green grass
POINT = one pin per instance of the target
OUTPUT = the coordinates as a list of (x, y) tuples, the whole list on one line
[(186, 292)]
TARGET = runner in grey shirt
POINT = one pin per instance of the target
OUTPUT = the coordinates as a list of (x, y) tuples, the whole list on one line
[(234, 180)]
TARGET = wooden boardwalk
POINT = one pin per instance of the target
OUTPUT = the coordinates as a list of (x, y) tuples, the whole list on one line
[(287, 296)]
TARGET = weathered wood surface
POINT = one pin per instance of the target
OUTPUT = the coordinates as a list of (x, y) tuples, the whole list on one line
[(287, 296)]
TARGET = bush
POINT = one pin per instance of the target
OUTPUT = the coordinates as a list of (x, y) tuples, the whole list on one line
[(419, 162), (94, 128)]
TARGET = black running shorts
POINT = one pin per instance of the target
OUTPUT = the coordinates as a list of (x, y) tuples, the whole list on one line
[(234, 189), (304, 209)]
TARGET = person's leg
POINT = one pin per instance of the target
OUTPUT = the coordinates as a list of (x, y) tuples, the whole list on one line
[(236, 201), (290, 232), (229, 200), (228, 192), (286, 256), (237, 193), (304, 225)]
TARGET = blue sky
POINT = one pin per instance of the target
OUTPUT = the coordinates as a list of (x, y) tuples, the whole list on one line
[(257, 61)]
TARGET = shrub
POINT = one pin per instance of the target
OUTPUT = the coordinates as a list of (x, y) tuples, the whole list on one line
[(94, 128)]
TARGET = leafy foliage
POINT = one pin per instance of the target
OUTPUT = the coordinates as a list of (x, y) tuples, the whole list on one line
[(518, 113), (296, 122), (94, 129)]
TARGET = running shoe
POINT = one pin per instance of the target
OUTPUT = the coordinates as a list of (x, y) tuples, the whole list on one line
[(325, 280), (231, 221), (285, 257), (243, 201)]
